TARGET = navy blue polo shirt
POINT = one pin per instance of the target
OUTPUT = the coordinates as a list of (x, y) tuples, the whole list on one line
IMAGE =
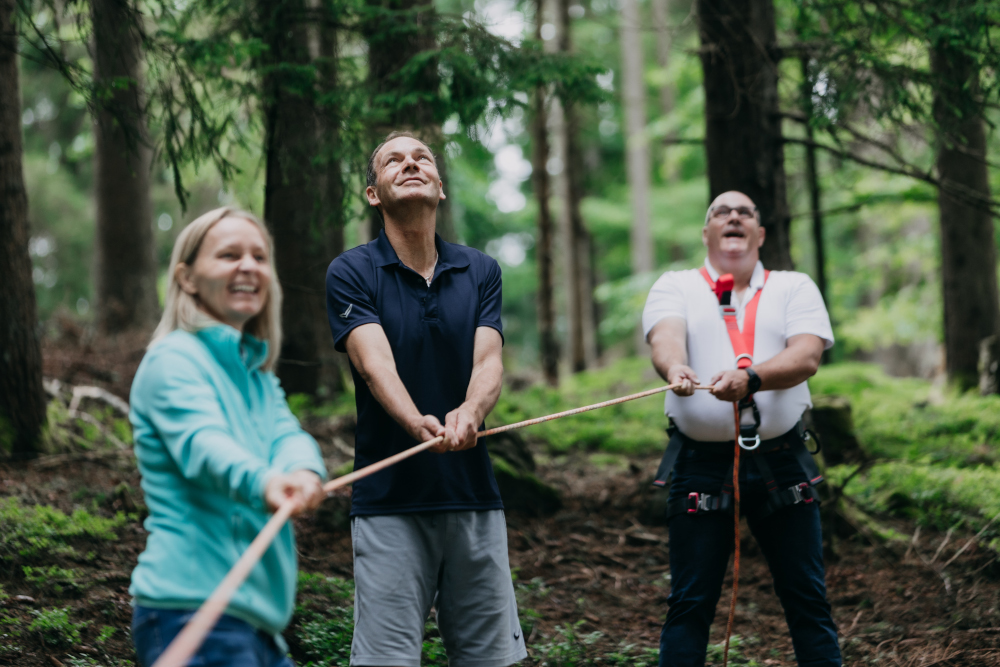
[(431, 330)]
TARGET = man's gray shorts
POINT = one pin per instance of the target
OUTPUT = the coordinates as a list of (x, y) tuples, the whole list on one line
[(455, 561)]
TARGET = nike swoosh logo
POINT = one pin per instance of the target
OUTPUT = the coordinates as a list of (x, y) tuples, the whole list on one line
[(347, 312), (517, 635)]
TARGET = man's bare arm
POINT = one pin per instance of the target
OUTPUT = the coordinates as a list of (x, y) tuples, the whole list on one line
[(369, 351), (462, 423), (798, 362), (668, 340)]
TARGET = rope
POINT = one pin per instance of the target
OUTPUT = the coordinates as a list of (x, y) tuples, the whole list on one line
[(187, 642), (736, 527)]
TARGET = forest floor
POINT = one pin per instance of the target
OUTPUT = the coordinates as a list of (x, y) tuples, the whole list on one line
[(592, 580)]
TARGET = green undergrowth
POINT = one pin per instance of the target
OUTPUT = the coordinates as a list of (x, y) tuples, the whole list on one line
[(635, 427), (32, 531), (936, 449), (323, 625), (907, 418)]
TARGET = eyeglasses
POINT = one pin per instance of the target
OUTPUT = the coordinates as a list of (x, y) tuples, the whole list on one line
[(742, 212)]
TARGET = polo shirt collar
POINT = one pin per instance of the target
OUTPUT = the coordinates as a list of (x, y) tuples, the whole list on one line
[(756, 278), (448, 257)]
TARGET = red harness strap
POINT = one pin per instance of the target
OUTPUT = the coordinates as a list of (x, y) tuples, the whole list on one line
[(742, 341), (743, 347)]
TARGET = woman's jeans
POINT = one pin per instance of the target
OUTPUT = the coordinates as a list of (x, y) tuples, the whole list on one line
[(700, 545), (232, 643)]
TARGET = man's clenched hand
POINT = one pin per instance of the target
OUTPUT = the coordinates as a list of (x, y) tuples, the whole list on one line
[(460, 426), (730, 386), (679, 373)]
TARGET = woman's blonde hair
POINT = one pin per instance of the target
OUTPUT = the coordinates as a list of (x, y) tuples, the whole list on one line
[(181, 309)]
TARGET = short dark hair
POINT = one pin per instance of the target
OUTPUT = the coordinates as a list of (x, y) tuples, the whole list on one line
[(372, 176)]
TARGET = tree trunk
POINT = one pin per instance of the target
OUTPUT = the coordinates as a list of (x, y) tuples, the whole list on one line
[(22, 400), (742, 126), (661, 20), (548, 347), (636, 148), (332, 362), (968, 250), (294, 194), (397, 30), (579, 297), (125, 259)]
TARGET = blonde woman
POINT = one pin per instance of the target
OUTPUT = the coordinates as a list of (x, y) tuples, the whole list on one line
[(218, 448)]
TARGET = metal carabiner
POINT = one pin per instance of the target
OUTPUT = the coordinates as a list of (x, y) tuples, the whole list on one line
[(756, 443)]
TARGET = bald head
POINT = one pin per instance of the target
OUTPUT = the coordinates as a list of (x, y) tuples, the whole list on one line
[(733, 199)]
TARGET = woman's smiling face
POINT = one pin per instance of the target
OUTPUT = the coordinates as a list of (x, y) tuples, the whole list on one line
[(231, 274)]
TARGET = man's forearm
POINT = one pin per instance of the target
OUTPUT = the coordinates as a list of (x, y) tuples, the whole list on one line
[(792, 366), (391, 394), (668, 342), (487, 374), (484, 388)]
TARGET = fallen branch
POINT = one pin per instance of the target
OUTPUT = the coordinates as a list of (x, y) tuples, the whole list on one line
[(86, 391)]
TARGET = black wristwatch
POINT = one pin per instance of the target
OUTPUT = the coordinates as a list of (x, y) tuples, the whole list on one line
[(753, 384)]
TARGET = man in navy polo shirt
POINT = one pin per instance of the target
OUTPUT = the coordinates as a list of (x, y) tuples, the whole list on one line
[(420, 321)]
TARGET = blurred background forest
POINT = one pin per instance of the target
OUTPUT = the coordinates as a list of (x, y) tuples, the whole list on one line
[(580, 143), (211, 77)]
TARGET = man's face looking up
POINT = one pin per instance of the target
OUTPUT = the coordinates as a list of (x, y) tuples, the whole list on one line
[(405, 172), (732, 226)]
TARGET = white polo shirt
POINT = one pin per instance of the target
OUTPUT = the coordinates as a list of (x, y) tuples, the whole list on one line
[(789, 305)]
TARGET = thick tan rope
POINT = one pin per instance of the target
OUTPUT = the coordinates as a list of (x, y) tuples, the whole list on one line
[(186, 644)]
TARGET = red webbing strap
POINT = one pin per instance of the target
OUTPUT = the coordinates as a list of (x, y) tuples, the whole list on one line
[(743, 342)]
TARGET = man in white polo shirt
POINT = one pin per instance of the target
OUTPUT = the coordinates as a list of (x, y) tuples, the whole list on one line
[(788, 330)]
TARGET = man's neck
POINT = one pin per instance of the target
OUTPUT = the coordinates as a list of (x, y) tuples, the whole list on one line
[(742, 269), (413, 241)]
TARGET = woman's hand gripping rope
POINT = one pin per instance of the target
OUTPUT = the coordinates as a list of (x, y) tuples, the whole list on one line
[(186, 644)]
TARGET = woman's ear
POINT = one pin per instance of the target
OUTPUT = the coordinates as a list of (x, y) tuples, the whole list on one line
[(182, 273)]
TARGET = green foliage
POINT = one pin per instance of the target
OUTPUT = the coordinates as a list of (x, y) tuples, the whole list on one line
[(330, 588), (630, 655), (902, 418), (105, 634), (567, 648), (939, 447), (87, 661), (635, 427), (326, 638), (56, 628), (716, 652), (34, 530), (52, 578)]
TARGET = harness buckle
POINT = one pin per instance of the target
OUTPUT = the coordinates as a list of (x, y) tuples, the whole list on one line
[(799, 492), (700, 504), (727, 311), (756, 442)]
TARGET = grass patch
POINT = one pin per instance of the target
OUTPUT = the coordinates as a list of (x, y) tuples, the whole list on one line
[(901, 418), (939, 448), (56, 628), (52, 578), (30, 531)]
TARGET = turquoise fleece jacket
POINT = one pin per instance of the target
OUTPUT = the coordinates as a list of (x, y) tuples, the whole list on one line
[(210, 430)]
